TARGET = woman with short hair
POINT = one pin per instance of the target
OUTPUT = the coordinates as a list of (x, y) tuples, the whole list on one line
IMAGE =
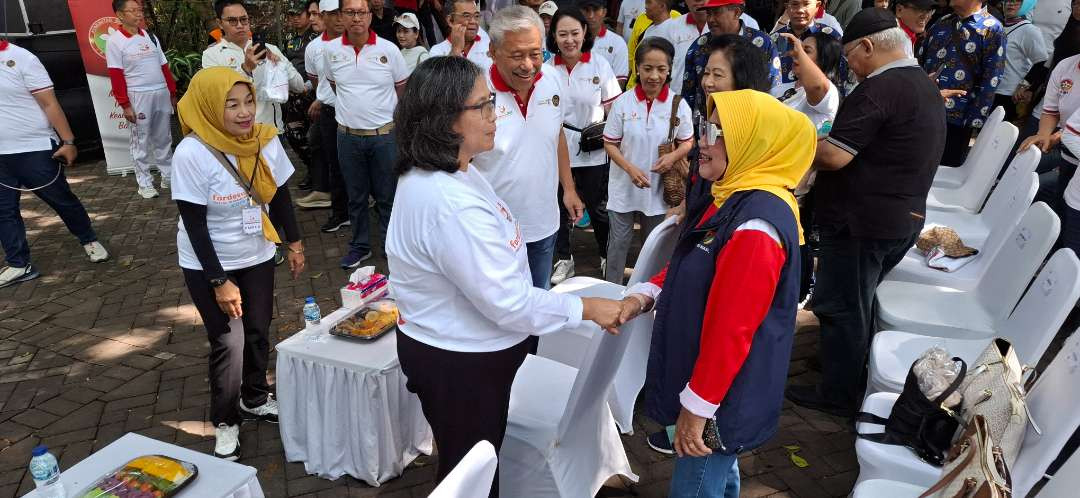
[(459, 267)]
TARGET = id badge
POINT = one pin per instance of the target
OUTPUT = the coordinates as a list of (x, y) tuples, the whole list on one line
[(252, 220)]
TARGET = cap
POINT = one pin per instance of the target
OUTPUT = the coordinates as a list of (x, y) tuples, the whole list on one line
[(868, 22), (408, 20), (919, 4), (296, 6), (549, 8), (329, 5), (721, 3), (309, 299), (591, 3), (39, 450)]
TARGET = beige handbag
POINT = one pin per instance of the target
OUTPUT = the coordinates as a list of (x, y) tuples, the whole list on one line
[(994, 389), (674, 179), (974, 467)]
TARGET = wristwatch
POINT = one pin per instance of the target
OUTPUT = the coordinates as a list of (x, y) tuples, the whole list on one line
[(67, 142), (218, 282)]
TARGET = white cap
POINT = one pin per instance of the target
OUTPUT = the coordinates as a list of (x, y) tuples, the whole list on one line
[(408, 20), (548, 8), (329, 5)]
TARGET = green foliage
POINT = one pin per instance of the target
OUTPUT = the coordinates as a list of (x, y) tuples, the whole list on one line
[(184, 66)]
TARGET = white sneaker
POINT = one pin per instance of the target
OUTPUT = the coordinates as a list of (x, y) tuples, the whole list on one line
[(564, 269), (227, 442), (165, 183), (148, 192), (96, 251), (11, 275), (268, 411), (314, 200)]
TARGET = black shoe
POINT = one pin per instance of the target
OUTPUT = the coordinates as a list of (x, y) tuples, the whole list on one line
[(334, 224), (811, 397), (660, 443)]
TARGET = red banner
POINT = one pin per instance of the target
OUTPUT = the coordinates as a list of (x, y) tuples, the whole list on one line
[(94, 21)]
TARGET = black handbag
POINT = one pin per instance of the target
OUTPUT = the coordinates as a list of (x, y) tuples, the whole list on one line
[(592, 136), (924, 426)]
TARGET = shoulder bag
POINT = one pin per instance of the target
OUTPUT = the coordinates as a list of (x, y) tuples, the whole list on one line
[(674, 179)]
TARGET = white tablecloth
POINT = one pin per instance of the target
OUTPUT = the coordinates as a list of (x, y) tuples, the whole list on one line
[(344, 408), (217, 478)]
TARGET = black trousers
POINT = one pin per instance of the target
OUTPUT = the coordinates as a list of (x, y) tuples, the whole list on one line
[(1007, 103), (339, 200), (849, 269), (238, 358), (465, 396), (957, 143), (591, 183)]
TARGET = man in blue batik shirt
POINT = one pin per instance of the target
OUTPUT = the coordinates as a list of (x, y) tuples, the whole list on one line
[(801, 16), (966, 50), (723, 19)]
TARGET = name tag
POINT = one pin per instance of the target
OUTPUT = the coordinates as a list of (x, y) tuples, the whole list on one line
[(252, 220)]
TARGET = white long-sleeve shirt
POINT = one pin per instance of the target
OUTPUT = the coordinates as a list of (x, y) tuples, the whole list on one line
[(228, 54), (459, 270)]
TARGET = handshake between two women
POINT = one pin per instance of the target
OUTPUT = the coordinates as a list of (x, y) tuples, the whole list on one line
[(610, 314)]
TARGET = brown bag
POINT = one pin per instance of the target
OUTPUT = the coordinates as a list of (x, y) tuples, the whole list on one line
[(974, 467), (674, 179)]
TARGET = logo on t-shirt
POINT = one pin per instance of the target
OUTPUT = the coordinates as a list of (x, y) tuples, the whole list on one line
[(382, 59), (610, 49), (10, 63), (596, 80), (555, 100), (1066, 86)]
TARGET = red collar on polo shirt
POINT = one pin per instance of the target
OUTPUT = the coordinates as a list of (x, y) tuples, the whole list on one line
[(125, 32), (585, 57), (325, 36), (640, 93), (907, 31), (500, 86), (466, 52), (370, 40), (4, 45), (603, 31)]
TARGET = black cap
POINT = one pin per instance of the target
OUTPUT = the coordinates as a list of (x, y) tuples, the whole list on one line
[(868, 22), (919, 4), (591, 3)]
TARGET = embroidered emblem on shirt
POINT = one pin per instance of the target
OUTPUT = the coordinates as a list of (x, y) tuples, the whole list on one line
[(596, 80), (555, 100), (10, 63), (710, 236), (610, 49), (382, 59), (1066, 86), (142, 116)]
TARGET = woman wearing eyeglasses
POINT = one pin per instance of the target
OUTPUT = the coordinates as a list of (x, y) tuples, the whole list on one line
[(725, 304), (459, 266)]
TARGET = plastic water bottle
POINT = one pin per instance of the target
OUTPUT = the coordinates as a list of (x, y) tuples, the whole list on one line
[(46, 474), (312, 315)]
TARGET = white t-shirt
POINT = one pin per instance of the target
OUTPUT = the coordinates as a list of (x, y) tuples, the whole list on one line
[(628, 11), (585, 92), (199, 178), (139, 56), (314, 64), (613, 49), (523, 168), (1070, 139), (366, 78), (25, 126), (478, 53), (1062, 95), (460, 269), (639, 127), (1025, 46), (822, 115), (414, 56), (681, 32)]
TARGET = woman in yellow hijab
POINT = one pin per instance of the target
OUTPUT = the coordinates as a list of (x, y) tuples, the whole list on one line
[(228, 181), (726, 303)]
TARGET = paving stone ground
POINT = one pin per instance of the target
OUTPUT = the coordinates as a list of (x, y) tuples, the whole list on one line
[(89, 352)]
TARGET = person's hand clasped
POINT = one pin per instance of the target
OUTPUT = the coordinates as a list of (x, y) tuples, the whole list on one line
[(604, 312), (296, 259), (632, 306), (228, 299), (688, 441)]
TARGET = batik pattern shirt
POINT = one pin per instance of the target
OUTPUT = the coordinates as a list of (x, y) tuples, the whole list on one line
[(970, 54), (697, 58)]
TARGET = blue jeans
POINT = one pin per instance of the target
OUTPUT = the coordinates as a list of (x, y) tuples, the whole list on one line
[(540, 254), (710, 476), (31, 170), (367, 164)]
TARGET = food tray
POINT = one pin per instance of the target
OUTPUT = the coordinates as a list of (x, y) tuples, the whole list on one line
[(368, 323), (148, 476)]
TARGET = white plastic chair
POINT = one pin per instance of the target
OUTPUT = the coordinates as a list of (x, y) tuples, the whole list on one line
[(970, 195), (883, 488), (1030, 328), (568, 347), (1053, 404), (947, 312), (472, 476), (954, 177), (985, 231), (561, 439)]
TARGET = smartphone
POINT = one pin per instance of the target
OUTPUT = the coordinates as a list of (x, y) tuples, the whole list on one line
[(783, 45), (258, 40)]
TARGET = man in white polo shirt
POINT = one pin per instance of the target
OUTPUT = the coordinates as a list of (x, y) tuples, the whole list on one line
[(368, 74), (31, 118), (530, 159), (144, 87), (464, 40), (682, 33), (606, 43), (238, 51)]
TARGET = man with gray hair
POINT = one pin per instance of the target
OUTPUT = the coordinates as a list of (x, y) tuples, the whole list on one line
[(875, 170), (530, 158)]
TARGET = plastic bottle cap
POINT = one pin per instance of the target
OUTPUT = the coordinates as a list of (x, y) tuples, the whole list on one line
[(309, 300), (40, 450)]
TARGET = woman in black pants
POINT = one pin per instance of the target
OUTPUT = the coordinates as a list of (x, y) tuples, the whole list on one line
[(228, 181)]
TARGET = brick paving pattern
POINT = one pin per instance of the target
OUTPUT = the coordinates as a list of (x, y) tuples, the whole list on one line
[(89, 352)]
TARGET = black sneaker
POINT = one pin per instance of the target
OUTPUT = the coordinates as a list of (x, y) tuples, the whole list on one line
[(810, 397), (334, 224), (660, 443), (353, 259)]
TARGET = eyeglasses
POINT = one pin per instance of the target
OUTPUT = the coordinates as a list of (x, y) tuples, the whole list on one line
[(468, 17), (138, 11), (709, 132), (487, 109), (847, 53), (237, 21), (356, 14)]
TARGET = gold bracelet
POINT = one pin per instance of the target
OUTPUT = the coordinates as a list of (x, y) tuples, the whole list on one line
[(294, 251)]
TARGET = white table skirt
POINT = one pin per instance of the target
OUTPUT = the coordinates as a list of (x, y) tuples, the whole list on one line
[(217, 478), (344, 408)]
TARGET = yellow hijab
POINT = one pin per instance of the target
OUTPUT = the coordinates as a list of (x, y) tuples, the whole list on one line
[(769, 146), (202, 111)]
